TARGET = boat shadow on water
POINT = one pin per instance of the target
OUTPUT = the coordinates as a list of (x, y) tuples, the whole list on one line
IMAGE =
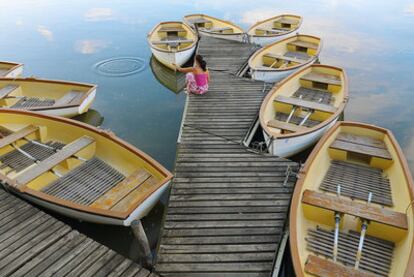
[(172, 80)]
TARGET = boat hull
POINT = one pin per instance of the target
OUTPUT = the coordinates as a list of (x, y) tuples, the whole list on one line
[(170, 58), (16, 72), (234, 37), (142, 210), (286, 147), (265, 40)]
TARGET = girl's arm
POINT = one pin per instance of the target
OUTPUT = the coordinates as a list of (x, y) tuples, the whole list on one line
[(185, 69)]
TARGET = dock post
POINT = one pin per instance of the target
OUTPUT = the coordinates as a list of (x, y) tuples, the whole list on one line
[(144, 249)]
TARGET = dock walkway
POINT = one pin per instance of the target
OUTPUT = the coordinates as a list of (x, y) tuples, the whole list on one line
[(33, 243), (228, 205)]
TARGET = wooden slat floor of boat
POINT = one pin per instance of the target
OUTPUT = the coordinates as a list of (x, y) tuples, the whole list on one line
[(32, 102), (85, 183), (314, 95), (33, 243), (376, 254), (227, 206), (357, 181), (17, 161)]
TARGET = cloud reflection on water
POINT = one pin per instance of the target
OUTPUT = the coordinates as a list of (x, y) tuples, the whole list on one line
[(90, 46), (45, 32), (99, 14)]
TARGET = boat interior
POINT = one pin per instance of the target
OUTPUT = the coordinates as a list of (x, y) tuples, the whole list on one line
[(74, 166), (355, 220), (287, 53), (172, 36), (213, 25), (32, 93), (5, 67), (306, 100), (276, 26)]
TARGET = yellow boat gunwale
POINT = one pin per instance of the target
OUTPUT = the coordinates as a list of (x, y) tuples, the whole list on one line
[(254, 26), (14, 65), (296, 198), (280, 42), (233, 25), (92, 87), (150, 33), (274, 90), (167, 175)]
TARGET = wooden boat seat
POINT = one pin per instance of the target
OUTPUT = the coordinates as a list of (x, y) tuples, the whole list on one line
[(173, 42), (5, 91), (271, 31), (322, 267), (13, 137), (47, 164), (305, 104), (284, 20), (297, 55), (304, 44), (72, 97), (322, 78), (274, 123), (296, 120), (171, 29), (361, 145), (282, 57), (199, 20), (357, 209), (314, 95)]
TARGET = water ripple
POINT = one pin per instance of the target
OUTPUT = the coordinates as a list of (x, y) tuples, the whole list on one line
[(119, 67)]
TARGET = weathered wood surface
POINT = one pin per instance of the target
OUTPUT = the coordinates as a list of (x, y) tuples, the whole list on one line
[(323, 267), (227, 205), (33, 243), (305, 104)]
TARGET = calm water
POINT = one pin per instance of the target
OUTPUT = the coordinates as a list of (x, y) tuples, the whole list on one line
[(104, 42)]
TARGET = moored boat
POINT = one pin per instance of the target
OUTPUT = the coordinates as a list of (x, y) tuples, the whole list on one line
[(77, 170), (172, 42), (215, 27), (171, 79), (61, 98), (302, 107), (10, 69), (351, 212), (279, 59), (274, 29)]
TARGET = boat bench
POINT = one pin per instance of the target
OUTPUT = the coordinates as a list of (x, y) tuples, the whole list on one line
[(13, 137), (285, 58), (66, 152), (171, 29), (304, 44), (322, 78), (272, 31), (305, 104), (357, 209), (286, 21), (173, 42), (322, 267), (361, 145), (5, 91), (73, 97), (297, 55), (199, 20), (274, 123)]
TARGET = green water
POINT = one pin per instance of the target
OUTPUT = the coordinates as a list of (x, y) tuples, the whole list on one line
[(104, 42)]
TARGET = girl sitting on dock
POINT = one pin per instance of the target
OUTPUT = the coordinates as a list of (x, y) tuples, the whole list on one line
[(197, 77)]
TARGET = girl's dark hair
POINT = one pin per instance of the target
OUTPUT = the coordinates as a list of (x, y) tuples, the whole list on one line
[(201, 62)]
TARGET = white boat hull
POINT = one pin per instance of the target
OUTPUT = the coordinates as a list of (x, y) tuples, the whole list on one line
[(286, 147), (271, 76), (234, 37), (170, 58), (18, 71), (141, 211)]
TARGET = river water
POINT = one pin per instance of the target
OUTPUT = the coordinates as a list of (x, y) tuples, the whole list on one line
[(104, 42)]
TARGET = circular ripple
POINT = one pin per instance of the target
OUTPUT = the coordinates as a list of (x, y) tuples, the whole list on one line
[(123, 66)]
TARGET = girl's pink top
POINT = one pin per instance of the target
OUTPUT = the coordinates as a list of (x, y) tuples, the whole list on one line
[(201, 79)]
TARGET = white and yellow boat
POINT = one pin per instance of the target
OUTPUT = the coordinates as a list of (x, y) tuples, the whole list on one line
[(351, 212), (172, 42), (10, 69), (215, 27), (302, 107), (60, 98), (274, 29), (77, 170), (279, 59)]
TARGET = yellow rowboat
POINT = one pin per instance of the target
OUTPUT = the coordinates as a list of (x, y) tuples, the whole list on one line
[(172, 42), (215, 27), (351, 212), (274, 29), (60, 98), (302, 107), (77, 170), (10, 69), (279, 59)]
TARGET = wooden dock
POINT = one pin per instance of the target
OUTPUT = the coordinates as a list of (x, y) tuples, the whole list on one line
[(33, 243), (228, 205)]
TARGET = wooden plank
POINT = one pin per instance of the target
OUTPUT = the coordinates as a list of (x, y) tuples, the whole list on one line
[(306, 104), (47, 164), (171, 29), (361, 149), (274, 123), (322, 78), (363, 140), (121, 190), (282, 57), (13, 137), (70, 98), (305, 44), (357, 209), (323, 267), (6, 90)]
